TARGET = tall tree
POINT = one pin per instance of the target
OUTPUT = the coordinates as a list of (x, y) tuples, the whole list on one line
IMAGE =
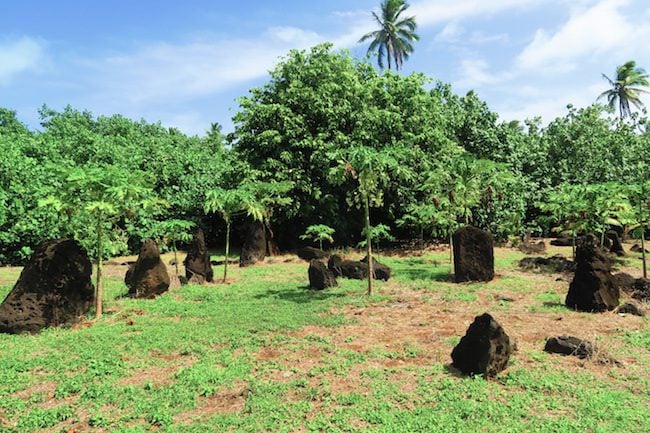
[(626, 88), (395, 35)]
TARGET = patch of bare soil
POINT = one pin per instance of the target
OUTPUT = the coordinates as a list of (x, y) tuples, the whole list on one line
[(229, 400)]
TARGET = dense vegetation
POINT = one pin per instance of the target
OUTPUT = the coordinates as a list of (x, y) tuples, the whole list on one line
[(439, 160)]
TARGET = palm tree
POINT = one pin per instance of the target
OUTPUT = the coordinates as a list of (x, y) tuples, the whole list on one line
[(626, 88), (394, 37)]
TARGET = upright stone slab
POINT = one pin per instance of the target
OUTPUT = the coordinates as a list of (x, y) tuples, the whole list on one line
[(473, 255), (593, 287), (54, 289), (148, 277), (616, 245), (198, 268), (311, 253), (319, 276), (485, 348), (254, 248)]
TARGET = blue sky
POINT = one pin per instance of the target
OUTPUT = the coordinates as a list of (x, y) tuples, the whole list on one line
[(185, 63)]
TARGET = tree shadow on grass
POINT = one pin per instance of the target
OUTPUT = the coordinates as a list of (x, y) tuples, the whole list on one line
[(303, 295)]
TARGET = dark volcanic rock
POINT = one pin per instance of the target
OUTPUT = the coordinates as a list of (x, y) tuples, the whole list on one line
[(624, 282), (379, 271), (197, 263), (630, 308), (485, 348), (319, 276), (354, 270), (310, 253), (54, 289), (254, 248), (636, 248), (617, 246), (555, 264), (532, 247), (148, 277), (562, 242), (641, 289), (334, 265), (593, 287), (568, 345), (473, 255)]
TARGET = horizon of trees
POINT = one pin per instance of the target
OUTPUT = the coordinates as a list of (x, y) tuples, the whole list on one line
[(297, 129)]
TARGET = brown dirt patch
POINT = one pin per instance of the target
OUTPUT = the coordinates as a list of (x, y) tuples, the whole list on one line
[(229, 400)]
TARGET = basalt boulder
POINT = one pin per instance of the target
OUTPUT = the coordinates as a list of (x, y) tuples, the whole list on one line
[(617, 246), (253, 249), (485, 348), (198, 268), (554, 264), (334, 265), (569, 346), (319, 276), (624, 281), (54, 289), (528, 247), (148, 277), (311, 253), (593, 287), (379, 270), (473, 255)]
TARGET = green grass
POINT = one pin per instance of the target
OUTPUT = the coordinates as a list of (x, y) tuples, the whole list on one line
[(192, 361)]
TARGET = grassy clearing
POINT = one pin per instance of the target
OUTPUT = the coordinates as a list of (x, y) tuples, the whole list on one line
[(265, 354)]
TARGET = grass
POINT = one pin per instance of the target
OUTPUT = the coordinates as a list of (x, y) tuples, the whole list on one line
[(263, 353)]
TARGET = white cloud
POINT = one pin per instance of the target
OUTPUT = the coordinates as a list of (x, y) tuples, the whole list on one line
[(164, 71), (475, 73), (597, 30), (431, 13), (450, 33), (18, 56)]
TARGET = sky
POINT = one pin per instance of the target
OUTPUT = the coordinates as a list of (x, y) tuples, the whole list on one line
[(186, 63)]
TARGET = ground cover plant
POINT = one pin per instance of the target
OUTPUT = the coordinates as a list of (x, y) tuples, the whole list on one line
[(263, 353)]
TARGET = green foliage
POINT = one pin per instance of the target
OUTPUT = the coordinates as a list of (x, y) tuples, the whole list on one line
[(319, 233)]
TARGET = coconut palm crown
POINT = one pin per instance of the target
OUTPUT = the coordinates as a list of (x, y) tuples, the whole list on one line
[(394, 38), (626, 88)]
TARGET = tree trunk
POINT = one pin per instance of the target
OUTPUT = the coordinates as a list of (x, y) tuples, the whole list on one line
[(320, 243), (175, 257), (225, 263), (573, 245), (98, 288), (366, 205), (645, 269), (451, 253)]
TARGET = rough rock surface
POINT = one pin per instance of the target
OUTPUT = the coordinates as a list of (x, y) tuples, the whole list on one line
[(473, 255), (354, 270), (555, 264), (379, 271), (254, 248), (593, 287), (54, 289), (641, 289), (617, 246), (636, 248), (310, 253), (319, 276), (630, 308), (485, 348), (334, 265), (527, 247), (568, 345), (197, 263), (148, 277), (562, 241), (624, 282)]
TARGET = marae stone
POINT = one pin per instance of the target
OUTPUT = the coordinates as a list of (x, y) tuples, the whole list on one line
[(54, 289)]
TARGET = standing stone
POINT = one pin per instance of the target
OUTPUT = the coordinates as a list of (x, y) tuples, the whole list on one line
[(148, 277), (473, 255), (254, 248), (485, 348), (593, 287), (379, 270), (319, 276), (54, 289), (616, 245), (198, 268), (334, 265)]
